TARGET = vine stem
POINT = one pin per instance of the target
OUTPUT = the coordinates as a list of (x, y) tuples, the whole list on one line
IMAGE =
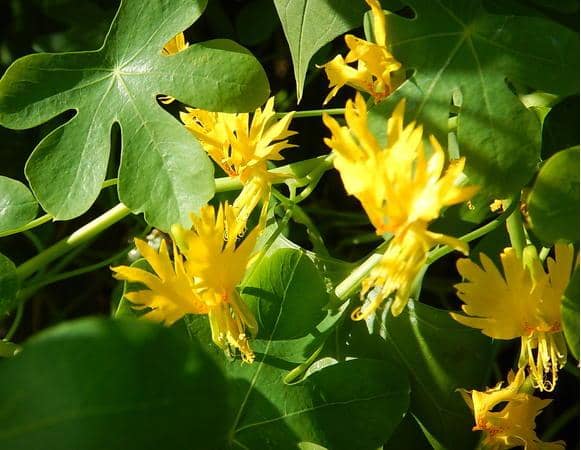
[(438, 253), (80, 271), (80, 236), (516, 232), (87, 232), (312, 113), (346, 287), (32, 224), (301, 171)]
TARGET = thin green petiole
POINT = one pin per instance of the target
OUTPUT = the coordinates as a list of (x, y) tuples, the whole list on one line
[(16, 323), (350, 284), (30, 225), (438, 253), (80, 271), (516, 232), (344, 289), (301, 217), (313, 113), (80, 236), (298, 171), (271, 239)]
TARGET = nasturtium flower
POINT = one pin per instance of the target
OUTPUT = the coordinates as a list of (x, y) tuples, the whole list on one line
[(375, 63), (242, 148), (506, 416), (523, 303), (208, 264), (402, 189), (175, 45)]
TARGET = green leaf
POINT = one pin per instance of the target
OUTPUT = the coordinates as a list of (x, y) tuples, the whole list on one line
[(17, 204), (309, 25), (460, 53), (164, 172), (96, 384), (287, 295), (553, 203), (352, 404), (440, 356), (561, 126), (9, 285), (570, 314)]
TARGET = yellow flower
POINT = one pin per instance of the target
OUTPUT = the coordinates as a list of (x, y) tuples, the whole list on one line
[(175, 45), (243, 149), (374, 62), (514, 424), (524, 302), (497, 206), (207, 266), (396, 271), (401, 189)]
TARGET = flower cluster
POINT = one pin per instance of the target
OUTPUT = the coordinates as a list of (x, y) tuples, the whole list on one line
[(402, 189), (403, 186), (522, 302), (208, 264), (243, 147), (211, 258)]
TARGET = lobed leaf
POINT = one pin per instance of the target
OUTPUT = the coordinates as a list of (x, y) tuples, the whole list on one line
[(164, 172), (461, 54)]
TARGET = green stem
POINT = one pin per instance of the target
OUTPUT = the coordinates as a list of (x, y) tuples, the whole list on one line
[(438, 253), (80, 236), (344, 289), (17, 319), (34, 239), (32, 224), (301, 217), (516, 232), (296, 375), (80, 271), (313, 113), (271, 239), (312, 179), (297, 171)]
